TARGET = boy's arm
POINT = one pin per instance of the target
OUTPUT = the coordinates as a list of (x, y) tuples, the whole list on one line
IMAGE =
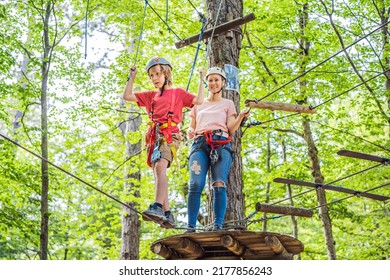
[(128, 90), (198, 100)]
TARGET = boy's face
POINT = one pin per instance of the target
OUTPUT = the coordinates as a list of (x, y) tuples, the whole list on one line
[(156, 76)]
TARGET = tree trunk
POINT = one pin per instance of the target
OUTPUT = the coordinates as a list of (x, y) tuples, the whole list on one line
[(321, 197), (131, 224), (308, 136), (225, 49), (44, 237), (268, 186)]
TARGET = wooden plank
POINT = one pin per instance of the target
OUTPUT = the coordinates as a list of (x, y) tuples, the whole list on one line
[(214, 245), (275, 244), (287, 210), (358, 155), (232, 244), (279, 106), (189, 247), (218, 29), (332, 188), (164, 251)]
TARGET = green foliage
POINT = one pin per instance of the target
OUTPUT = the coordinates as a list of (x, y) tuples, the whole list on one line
[(84, 121)]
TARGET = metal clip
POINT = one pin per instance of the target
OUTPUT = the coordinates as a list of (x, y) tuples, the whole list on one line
[(156, 155), (213, 157)]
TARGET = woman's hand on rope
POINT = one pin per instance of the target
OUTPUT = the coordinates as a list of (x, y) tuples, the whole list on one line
[(202, 74), (198, 100), (245, 113)]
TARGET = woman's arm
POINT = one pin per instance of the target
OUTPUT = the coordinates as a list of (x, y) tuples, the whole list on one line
[(233, 122), (191, 129)]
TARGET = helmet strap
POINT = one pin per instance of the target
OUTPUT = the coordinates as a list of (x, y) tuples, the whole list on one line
[(163, 87)]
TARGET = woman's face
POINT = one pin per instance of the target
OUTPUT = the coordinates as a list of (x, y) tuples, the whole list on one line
[(157, 76), (215, 83)]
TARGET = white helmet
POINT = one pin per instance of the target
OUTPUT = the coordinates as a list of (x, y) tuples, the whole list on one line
[(216, 70)]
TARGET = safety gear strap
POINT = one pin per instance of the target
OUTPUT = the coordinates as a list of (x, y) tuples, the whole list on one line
[(165, 129), (215, 143)]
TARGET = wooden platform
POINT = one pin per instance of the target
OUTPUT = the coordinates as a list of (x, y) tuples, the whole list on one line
[(229, 245)]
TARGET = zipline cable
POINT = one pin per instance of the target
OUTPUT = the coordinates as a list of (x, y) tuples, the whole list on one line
[(246, 219), (350, 134), (352, 195), (72, 175), (314, 107), (326, 60), (83, 181), (169, 28), (321, 205), (200, 14)]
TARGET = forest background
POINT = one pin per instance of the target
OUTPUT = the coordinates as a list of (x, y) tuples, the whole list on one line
[(63, 66)]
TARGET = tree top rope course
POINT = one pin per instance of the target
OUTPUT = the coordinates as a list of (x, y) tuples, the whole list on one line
[(253, 104), (258, 103)]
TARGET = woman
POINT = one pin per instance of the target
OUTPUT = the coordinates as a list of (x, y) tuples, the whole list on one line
[(212, 124)]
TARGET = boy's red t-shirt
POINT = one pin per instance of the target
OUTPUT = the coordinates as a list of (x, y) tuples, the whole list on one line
[(161, 105)]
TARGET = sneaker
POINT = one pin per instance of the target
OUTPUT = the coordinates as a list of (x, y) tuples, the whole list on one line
[(168, 222), (190, 230), (216, 228), (154, 214)]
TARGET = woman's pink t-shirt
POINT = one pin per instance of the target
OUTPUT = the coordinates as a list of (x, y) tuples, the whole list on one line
[(213, 115)]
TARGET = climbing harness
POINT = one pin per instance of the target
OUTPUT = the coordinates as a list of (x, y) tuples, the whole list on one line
[(215, 145), (158, 133)]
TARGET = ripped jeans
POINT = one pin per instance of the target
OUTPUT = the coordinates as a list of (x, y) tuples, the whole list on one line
[(199, 164)]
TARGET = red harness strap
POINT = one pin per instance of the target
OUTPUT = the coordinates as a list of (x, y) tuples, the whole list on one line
[(215, 143), (150, 139), (166, 129)]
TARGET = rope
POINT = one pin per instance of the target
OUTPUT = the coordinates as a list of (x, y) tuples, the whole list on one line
[(212, 33), (75, 177), (86, 30), (321, 205), (203, 19), (350, 134), (314, 107), (200, 14), (169, 28), (166, 14), (352, 195), (140, 34), (326, 60), (247, 219)]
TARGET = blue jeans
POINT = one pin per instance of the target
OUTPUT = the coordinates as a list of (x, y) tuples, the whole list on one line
[(199, 164)]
